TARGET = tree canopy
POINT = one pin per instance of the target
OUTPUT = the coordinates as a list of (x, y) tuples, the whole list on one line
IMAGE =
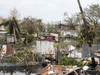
[(13, 27)]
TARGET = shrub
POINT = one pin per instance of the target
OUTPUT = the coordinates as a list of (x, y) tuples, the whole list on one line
[(20, 56), (69, 61)]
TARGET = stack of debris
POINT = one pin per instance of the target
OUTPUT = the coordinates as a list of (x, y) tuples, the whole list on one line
[(59, 70)]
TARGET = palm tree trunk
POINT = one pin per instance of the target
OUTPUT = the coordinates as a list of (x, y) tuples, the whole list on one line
[(26, 38), (14, 35)]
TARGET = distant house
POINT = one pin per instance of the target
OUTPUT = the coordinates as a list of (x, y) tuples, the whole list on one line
[(48, 37), (70, 32), (2, 28), (2, 33), (65, 32), (61, 26)]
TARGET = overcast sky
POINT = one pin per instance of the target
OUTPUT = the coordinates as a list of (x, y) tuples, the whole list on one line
[(48, 10)]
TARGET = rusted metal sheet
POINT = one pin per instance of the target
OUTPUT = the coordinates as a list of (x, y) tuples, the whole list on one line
[(45, 47), (38, 46), (7, 50), (3, 50), (56, 69), (10, 50), (49, 47)]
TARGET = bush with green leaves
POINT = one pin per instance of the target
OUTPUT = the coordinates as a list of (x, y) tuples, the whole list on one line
[(19, 46), (12, 59), (20, 56), (30, 39), (69, 62)]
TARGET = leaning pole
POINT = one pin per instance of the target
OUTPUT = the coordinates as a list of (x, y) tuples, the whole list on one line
[(88, 39)]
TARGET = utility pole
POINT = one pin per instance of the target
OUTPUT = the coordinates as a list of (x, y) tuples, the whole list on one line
[(88, 39)]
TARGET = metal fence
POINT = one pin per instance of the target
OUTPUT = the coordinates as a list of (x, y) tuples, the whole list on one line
[(85, 50)]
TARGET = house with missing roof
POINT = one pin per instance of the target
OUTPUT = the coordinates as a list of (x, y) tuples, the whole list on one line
[(5, 36), (2, 32)]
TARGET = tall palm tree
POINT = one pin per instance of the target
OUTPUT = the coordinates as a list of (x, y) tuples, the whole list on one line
[(13, 27)]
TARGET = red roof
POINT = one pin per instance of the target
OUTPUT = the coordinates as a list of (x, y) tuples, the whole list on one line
[(48, 40), (48, 36)]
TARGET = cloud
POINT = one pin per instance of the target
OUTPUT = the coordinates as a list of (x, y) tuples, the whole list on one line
[(5, 4), (26, 4), (49, 10), (50, 7), (85, 3), (4, 14)]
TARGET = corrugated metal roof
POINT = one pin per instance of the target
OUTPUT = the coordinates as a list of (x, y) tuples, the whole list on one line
[(56, 69), (45, 47), (85, 51), (7, 50)]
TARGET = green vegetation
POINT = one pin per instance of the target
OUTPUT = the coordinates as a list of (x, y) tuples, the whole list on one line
[(69, 62), (13, 27), (29, 39), (21, 56), (52, 29), (29, 26)]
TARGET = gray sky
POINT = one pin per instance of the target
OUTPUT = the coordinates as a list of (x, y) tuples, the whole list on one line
[(48, 10)]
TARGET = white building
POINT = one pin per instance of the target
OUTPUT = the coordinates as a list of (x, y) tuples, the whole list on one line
[(2, 32), (70, 32)]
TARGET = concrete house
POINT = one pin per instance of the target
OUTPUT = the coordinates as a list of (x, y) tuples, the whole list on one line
[(70, 32)]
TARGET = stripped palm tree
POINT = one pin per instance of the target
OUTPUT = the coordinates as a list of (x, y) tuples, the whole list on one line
[(13, 27), (78, 40), (69, 37)]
